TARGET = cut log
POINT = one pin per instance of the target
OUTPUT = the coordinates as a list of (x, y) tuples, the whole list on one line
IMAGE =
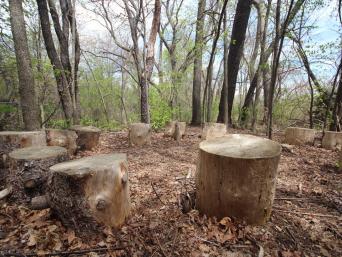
[(299, 136), (139, 134), (212, 130), (175, 130), (87, 137), (10, 140), (63, 138), (90, 192), (332, 140), (29, 170), (236, 177)]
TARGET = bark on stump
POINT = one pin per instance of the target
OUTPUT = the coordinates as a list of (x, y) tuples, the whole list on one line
[(63, 138), (212, 130), (340, 161), (175, 130), (10, 140), (139, 134), (29, 170), (332, 140), (87, 137), (299, 136), (90, 192), (236, 177)]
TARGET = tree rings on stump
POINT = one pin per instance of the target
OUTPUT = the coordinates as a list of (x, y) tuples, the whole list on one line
[(29, 169), (299, 136), (332, 140), (212, 130), (87, 137), (236, 177), (63, 138), (139, 134), (90, 192)]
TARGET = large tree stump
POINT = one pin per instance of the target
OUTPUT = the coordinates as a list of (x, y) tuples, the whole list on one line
[(87, 137), (236, 177), (299, 136), (63, 138), (332, 140), (139, 134), (10, 140), (212, 130), (90, 192), (175, 130), (29, 170)]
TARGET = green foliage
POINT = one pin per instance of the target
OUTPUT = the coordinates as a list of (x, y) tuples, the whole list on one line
[(5, 108), (57, 124), (160, 111)]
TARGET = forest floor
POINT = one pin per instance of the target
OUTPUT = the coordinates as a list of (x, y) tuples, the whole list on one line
[(306, 217)]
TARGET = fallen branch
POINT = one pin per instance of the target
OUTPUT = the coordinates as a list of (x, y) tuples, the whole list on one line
[(5, 192), (308, 213), (158, 196)]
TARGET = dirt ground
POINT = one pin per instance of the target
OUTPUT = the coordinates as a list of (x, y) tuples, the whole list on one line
[(306, 217)]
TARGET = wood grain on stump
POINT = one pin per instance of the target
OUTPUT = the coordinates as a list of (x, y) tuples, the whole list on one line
[(87, 136), (29, 170), (212, 130), (10, 140), (139, 134), (63, 138), (236, 177), (90, 192), (332, 140), (299, 136)]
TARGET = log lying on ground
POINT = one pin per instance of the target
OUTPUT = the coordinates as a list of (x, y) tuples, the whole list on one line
[(299, 136), (212, 130), (29, 170), (139, 134), (175, 130), (87, 137), (10, 140), (332, 140), (90, 192), (236, 177), (63, 138)]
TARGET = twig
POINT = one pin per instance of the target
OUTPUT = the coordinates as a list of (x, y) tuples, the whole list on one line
[(207, 241), (291, 235), (65, 253), (158, 196), (161, 248), (308, 213), (289, 198)]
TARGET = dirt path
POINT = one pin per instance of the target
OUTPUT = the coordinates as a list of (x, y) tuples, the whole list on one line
[(306, 220)]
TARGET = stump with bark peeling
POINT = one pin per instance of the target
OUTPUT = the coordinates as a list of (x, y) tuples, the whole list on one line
[(175, 130), (212, 130), (10, 140), (63, 138), (29, 170), (90, 192), (332, 140), (87, 137), (236, 177), (139, 134), (299, 136)]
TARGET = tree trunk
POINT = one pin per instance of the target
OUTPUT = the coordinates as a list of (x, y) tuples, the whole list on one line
[(236, 46), (28, 97), (197, 79), (236, 177)]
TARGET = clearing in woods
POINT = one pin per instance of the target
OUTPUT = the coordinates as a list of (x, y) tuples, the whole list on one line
[(306, 217)]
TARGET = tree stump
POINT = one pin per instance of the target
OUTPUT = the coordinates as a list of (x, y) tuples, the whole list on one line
[(29, 170), (299, 136), (332, 140), (87, 137), (63, 138), (340, 161), (236, 177), (212, 130), (90, 192), (175, 130), (139, 134), (10, 140)]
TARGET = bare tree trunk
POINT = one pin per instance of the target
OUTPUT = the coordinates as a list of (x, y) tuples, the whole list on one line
[(197, 80), (28, 97), (337, 111)]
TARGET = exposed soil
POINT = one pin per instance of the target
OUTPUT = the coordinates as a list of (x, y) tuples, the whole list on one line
[(306, 219)]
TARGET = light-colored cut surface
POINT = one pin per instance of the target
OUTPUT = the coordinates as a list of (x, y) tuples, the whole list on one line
[(37, 153), (85, 128), (241, 146)]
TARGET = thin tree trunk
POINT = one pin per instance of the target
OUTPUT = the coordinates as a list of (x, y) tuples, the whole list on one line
[(28, 97)]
